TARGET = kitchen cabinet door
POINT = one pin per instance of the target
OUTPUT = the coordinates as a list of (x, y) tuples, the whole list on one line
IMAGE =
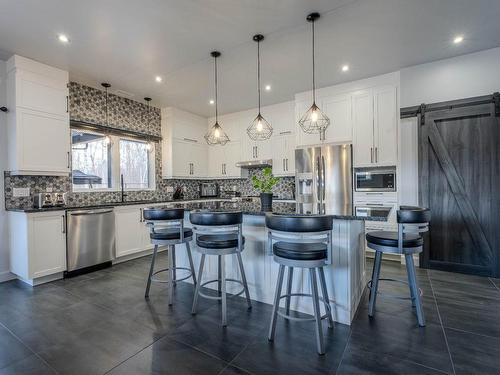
[(283, 149), (385, 126), (132, 235), (363, 128), (256, 150), (216, 160), (42, 143), (199, 161), (232, 155), (339, 110), (181, 158)]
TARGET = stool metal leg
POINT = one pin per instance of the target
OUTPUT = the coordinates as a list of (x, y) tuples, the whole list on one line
[(324, 292), (223, 289), (288, 290), (198, 286), (412, 277), (219, 285), (244, 279), (274, 316), (317, 312), (174, 272), (191, 264), (170, 274), (151, 270), (374, 285)]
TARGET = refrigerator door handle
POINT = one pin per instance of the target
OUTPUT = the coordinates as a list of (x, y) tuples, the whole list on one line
[(318, 180), (323, 177)]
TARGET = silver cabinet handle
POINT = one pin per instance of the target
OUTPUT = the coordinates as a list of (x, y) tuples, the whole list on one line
[(63, 223), (287, 132), (371, 154), (141, 215), (256, 151), (67, 103), (286, 164), (69, 163), (376, 154), (190, 140)]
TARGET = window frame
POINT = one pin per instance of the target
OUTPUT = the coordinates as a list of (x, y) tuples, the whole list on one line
[(115, 172)]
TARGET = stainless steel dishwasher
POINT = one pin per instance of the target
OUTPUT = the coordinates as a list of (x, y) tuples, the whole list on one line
[(90, 240)]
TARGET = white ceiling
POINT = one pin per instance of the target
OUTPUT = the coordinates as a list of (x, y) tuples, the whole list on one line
[(128, 43)]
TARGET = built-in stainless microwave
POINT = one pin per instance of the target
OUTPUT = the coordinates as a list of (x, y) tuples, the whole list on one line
[(375, 180)]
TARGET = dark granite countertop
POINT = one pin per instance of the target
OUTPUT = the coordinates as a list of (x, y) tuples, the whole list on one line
[(217, 204)]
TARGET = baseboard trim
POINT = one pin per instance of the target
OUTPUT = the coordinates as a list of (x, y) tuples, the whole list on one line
[(7, 276)]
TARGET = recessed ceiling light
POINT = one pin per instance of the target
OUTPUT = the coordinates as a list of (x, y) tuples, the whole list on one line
[(158, 79), (268, 87), (458, 39), (63, 38), (212, 101), (345, 68)]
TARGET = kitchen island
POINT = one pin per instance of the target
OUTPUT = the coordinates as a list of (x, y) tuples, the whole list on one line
[(345, 275)]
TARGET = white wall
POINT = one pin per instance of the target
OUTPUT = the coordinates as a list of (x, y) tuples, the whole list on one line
[(460, 77), (4, 243)]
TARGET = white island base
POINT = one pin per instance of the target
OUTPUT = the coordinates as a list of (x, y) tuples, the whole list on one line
[(345, 276)]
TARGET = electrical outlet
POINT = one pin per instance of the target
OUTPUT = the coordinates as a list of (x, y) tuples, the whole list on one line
[(170, 189), (21, 192)]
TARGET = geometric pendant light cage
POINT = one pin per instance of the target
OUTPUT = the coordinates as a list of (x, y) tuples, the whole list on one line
[(259, 129), (314, 120), (216, 135)]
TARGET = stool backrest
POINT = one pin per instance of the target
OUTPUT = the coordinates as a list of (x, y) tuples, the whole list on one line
[(161, 219), (299, 223), (207, 218), (300, 229)]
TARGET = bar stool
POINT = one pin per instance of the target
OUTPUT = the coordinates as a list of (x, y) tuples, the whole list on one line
[(219, 233), (303, 241), (167, 229), (406, 241)]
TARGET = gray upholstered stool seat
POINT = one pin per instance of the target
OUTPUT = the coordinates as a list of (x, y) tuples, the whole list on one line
[(167, 229), (218, 241), (171, 234), (219, 234), (406, 241), (302, 241), (384, 238), (300, 251)]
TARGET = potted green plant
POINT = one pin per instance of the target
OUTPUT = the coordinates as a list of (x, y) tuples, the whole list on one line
[(264, 184)]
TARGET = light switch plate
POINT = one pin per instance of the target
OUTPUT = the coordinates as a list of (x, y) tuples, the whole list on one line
[(21, 192), (170, 189)]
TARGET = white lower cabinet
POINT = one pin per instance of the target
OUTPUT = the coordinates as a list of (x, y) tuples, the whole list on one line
[(132, 235), (37, 244)]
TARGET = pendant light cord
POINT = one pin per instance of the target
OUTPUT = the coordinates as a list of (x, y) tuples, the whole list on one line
[(216, 85), (258, 71), (107, 124), (313, 66)]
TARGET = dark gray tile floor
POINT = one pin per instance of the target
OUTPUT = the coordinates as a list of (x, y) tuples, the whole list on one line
[(100, 323)]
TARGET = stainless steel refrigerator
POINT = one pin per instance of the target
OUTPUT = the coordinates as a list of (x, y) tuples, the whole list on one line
[(323, 179)]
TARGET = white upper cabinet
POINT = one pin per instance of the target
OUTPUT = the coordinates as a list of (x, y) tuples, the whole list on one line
[(281, 117), (386, 116), (184, 151), (375, 115), (256, 150), (38, 118), (304, 139), (223, 159), (283, 150), (363, 128), (339, 110)]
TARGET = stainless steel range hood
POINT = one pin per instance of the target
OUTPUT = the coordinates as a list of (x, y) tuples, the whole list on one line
[(255, 163)]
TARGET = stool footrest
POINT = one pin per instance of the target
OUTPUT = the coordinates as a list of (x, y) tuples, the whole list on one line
[(220, 298), (156, 280), (289, 317), (390, 295)]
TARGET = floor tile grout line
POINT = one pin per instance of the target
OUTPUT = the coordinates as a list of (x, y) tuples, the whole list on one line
[(472, 333), (29, 348), (495, 285), (345, 350), (442, 326)]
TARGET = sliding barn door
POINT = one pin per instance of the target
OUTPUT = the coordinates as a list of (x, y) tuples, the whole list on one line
[(459, 172)]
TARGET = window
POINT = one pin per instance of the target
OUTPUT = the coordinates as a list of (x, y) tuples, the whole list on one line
[(91, 160), (134, 164), (100, 160)]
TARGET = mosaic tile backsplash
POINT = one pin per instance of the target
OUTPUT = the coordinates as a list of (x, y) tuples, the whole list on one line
[(88, 104)]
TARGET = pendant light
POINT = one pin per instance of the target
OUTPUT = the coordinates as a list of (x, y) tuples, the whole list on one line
[(314, 120), (260, 129), (149, 145), (216, 135), (106, 86)]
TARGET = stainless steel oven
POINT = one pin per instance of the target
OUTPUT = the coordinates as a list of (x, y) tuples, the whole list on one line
[(375, 180)]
